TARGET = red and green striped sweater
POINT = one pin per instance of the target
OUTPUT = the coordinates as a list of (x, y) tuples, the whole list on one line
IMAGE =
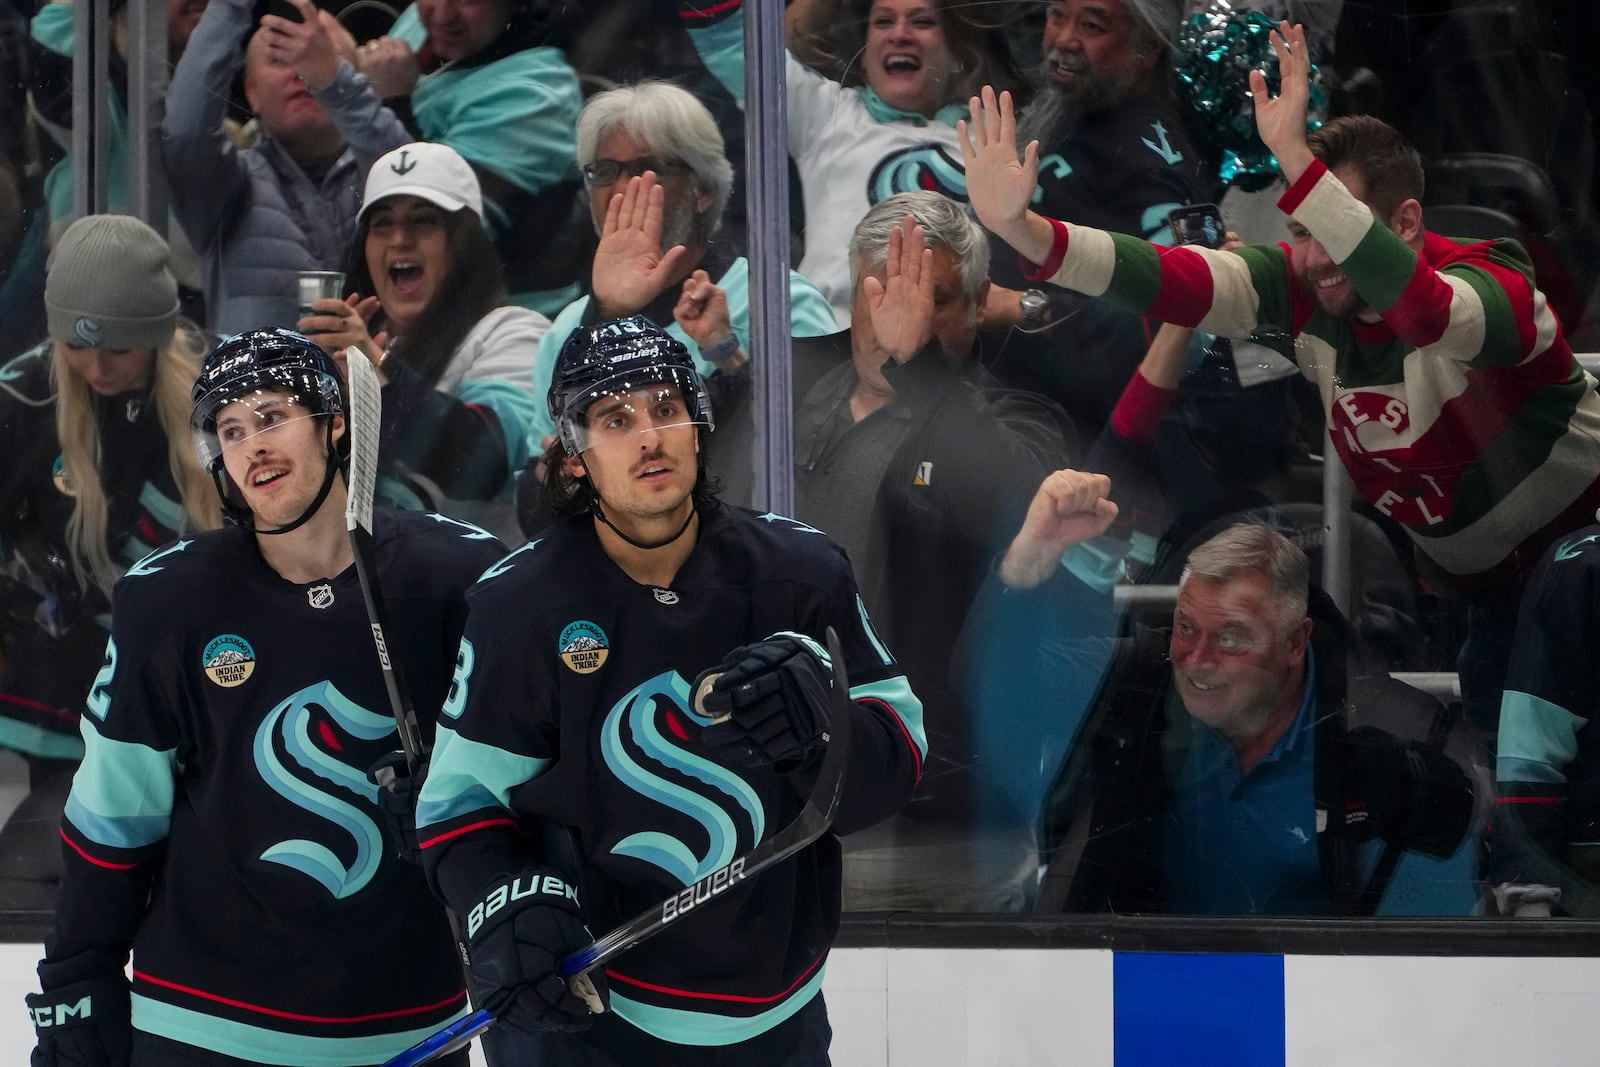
[(1462, 414)]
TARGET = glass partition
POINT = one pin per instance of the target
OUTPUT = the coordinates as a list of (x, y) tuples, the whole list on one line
[(1309, 723)]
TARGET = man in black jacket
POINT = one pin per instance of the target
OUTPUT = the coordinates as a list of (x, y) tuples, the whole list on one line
[(1246, 761), (916, 460)]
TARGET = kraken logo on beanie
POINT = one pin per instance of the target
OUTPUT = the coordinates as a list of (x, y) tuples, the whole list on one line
[(108, 284)]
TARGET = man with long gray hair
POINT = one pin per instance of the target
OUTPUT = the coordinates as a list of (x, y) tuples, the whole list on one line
[(653, 163)]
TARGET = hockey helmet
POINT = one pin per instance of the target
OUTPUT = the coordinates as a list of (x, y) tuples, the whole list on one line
[(261, 361), (619, 358)]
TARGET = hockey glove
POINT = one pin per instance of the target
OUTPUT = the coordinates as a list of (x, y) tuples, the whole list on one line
[(83, 1019), (397, 800), (517, 934), (775, 696)]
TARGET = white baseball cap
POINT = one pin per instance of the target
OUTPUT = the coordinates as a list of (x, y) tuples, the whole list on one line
[(433, 172)]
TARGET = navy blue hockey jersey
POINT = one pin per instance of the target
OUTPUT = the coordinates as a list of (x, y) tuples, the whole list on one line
[(570, 707), (222, 824)]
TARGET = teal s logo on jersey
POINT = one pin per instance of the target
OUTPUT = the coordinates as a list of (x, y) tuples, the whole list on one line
[(296, 752), (228, 660), (583, 646), (637, 718), (914, 169)]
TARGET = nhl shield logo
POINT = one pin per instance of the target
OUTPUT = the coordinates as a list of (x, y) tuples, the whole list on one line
[(320, 596), (584, 647)]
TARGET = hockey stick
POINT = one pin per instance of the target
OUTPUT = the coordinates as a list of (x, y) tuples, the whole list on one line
[(811, 823), (361, 425), (365, 417)]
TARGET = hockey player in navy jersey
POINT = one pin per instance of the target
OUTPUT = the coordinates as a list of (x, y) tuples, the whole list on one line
[(571, 709), (222, 826)]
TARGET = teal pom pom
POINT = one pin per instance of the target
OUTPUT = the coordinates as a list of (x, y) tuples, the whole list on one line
[(1213, 56)]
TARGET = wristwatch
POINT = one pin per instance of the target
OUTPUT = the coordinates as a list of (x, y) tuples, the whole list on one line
[(1034, 304)]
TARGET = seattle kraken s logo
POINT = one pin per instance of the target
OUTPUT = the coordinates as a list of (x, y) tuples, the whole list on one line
[(915, 169), (291, 725), (639, 713)]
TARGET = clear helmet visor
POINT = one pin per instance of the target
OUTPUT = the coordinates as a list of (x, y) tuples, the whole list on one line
[(622, 407), (244, 419)]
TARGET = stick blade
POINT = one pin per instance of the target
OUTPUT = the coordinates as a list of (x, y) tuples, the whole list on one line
[(362, 422)]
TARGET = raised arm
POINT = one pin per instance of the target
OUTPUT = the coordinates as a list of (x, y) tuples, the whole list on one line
[(999, 184), (207, 177)]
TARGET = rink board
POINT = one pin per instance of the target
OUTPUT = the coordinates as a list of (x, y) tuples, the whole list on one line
[(1093, 1008)]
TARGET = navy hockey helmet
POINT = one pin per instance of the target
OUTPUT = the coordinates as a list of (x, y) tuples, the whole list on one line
[(275, 361), (616, 358)]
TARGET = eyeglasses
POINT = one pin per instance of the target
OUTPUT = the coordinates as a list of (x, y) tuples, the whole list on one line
[(607, 171)]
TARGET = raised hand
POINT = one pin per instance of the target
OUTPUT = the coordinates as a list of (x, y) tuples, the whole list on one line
[(306, 46), (999, 185), (1071, 507), (630, 266), (341, 326), (390, 66), (702, 313), (1281, 120), (901, 306)]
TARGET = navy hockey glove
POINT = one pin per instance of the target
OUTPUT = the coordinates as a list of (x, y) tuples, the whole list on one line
[(397, 800), (775, 694), (517, 934), (83, 1020)]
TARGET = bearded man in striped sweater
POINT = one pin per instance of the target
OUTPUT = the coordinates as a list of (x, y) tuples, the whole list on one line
[(1450, 391)]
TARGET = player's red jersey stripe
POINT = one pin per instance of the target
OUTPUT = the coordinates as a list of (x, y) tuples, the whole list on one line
[(430, 842), (731, 997), (422, 1009), (98, 863)]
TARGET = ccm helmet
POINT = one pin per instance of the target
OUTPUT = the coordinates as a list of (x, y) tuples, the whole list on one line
[(263, 361), (615, 358)]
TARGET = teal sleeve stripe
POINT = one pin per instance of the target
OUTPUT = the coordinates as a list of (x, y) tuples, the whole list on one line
[(1511, 769), (122, 795), (46, 744), (544, 365), (466, 775), (260, 1044), (168, 513), (1534, 730), (896, 692), (704, 1028), (721, 48), (512, 405)]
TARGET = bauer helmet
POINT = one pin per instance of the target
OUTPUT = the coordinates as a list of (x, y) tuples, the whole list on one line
[(615, 358)]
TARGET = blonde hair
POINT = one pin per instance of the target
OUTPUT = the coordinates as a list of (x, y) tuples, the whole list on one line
[(176, 365)]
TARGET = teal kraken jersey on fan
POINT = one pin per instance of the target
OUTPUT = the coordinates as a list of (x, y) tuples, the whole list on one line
[(222, 824), (571, 709)]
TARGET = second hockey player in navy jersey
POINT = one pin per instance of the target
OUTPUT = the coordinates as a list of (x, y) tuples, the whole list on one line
[(222, 826), (571, 708)]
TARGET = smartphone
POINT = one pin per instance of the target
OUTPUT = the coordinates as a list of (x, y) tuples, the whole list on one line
[(284, 9), (1198, 224)]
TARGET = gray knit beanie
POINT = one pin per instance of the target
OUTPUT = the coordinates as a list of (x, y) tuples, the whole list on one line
[(107, 285)]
